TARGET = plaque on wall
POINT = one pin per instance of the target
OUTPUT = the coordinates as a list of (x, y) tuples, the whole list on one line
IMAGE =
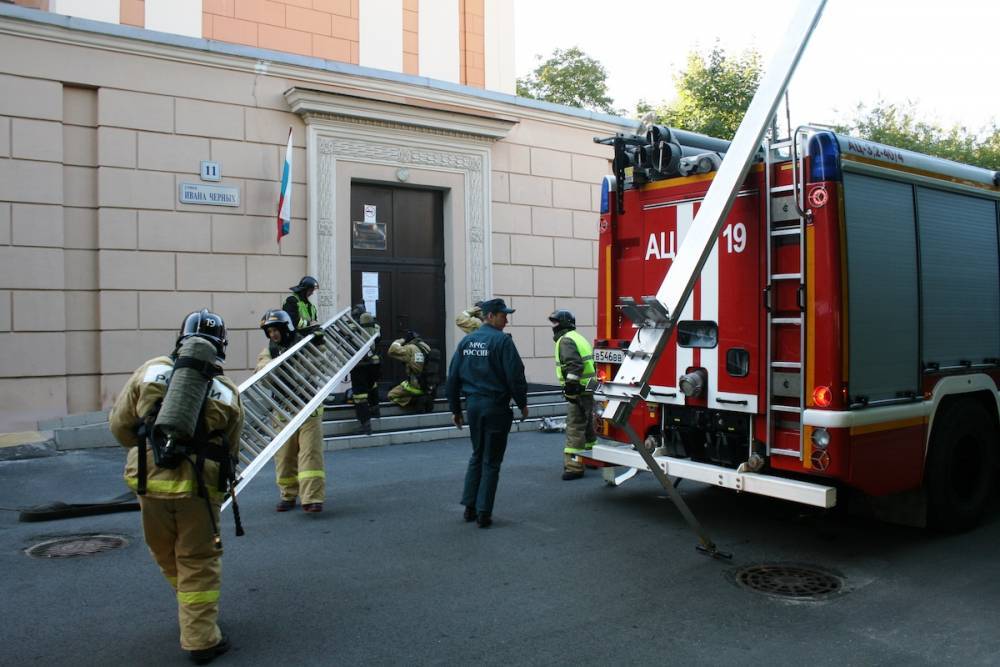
[(369, 235), (209, 195)]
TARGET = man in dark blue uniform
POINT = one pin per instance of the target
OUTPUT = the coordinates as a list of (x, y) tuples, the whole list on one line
[(488, 371)]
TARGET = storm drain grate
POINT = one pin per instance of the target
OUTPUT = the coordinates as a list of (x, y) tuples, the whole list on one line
[(76, 545), (790, 581)]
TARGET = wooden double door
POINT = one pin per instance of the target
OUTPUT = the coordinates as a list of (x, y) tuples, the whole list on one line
[(397, 264)]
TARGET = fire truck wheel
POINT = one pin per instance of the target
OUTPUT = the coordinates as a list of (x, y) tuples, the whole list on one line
[(960, 466)]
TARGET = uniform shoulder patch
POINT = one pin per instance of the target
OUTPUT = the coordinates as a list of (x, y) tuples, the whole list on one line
[(157, 374), (220, 392)]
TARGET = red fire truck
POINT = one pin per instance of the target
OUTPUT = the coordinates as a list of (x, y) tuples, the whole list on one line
[(844, 331)]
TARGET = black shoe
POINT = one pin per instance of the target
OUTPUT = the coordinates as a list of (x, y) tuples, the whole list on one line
[(206, 655), (470, 513), (570, 475), (484, 519)]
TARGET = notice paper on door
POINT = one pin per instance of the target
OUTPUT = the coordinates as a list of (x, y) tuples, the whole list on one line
[(370, 213), (370, 307), (369, 279), (369, 293)]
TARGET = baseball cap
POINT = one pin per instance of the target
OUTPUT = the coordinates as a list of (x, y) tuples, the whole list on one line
[(495, 306)]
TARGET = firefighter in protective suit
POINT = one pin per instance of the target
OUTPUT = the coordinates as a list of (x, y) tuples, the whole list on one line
[(177, 524), (298, 306), (365, 376), (574, 369), (298, 465), (471, 319), (410, 393)]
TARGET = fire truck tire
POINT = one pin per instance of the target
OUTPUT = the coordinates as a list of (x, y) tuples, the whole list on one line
[(960, 466)]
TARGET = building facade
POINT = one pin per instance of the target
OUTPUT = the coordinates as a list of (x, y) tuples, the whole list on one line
[(412, 170)]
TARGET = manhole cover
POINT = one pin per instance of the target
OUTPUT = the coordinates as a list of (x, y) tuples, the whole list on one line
[(76, 545), (790, 581)]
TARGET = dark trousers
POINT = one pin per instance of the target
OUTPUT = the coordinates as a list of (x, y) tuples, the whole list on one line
[(364, 385), (489, 426)]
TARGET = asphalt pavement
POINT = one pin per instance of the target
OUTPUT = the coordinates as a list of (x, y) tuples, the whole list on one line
[(570, 572)]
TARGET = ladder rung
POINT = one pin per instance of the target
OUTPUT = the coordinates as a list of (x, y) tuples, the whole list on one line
[(786, 408), (785, 364), (787, 276), (786, 231), (787, 320), (777, 189)]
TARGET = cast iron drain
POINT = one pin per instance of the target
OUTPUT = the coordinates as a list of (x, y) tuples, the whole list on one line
[(76, 545), (790, 581)]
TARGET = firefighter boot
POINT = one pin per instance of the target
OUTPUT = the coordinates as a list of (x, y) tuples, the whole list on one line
[(363, 412), (207, 655)]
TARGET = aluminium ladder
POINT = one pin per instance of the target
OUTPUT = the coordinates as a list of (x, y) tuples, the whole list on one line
[(785, 227), (656, 316), (281, 396)]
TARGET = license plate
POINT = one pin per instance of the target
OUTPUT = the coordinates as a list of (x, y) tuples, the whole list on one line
[(603, 356)]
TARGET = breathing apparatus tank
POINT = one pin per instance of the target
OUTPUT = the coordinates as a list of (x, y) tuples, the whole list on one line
[(177, 421)]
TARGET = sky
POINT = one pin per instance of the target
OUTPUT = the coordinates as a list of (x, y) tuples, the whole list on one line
[(942, 55)]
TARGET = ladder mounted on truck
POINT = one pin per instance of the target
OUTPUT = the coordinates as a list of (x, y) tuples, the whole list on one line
[(656, 315), (282, 395)]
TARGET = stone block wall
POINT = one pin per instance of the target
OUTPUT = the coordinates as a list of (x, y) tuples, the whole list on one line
[(546, 198)]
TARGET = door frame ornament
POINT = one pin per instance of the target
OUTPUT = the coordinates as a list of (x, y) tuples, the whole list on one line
[(339, 130)]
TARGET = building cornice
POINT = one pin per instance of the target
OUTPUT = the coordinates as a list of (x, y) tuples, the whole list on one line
[(312, 104), (361, 82)]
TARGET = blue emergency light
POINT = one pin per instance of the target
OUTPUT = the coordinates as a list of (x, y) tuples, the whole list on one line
[(606, 185), (824, 154)]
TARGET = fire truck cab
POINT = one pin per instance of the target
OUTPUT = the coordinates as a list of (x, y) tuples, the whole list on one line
[(844, 331)]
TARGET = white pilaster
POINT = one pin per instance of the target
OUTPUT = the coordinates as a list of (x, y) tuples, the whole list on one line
[(108, 11), (380, 28), (178, 17), (439, 26), (499, 27)]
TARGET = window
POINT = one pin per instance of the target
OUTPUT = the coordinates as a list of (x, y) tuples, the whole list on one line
[(737, 362), (697, 333)]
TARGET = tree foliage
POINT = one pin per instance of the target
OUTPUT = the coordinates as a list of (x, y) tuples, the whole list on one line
[(569, 77), (900, 125), (713, 93)]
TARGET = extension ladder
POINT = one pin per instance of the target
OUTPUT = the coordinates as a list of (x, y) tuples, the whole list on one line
[(282, 395), (656, 315)]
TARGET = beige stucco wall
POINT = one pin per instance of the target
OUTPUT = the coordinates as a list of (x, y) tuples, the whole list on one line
[(99, 262)]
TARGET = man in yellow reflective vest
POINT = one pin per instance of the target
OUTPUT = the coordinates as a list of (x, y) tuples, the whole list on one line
[(178, 523), (298, 465), (299, 307), (574, 369)]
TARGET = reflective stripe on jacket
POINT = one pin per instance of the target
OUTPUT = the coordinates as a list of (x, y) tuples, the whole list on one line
[(223, 413), (579, 361)]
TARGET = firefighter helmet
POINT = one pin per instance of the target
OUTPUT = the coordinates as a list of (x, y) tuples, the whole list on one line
[(208, 325), (562, 319), (277, 318), (307, 283), (366, 319)]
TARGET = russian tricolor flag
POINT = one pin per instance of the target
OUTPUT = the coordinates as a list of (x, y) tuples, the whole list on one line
[(285, 198)]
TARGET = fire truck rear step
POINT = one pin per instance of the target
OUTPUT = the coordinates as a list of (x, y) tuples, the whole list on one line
[(808, 493)]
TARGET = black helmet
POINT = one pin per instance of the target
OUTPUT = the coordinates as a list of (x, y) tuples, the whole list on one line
[(305, 284), (562, 319), (208, 325), (277, 318)]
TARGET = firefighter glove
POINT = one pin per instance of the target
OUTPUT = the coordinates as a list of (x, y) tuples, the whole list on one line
[(572, 391)]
